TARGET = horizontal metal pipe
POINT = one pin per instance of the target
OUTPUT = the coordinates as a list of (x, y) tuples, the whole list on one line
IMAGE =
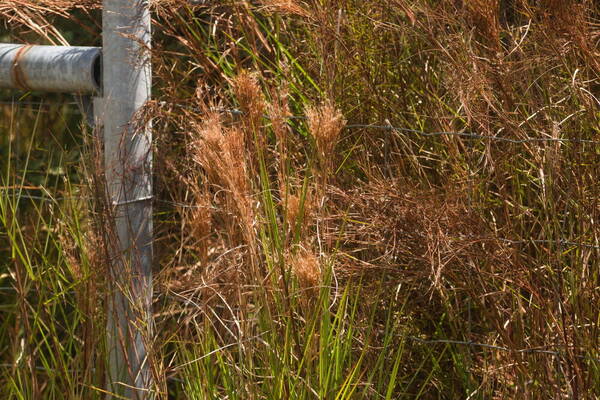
[(51, 68)]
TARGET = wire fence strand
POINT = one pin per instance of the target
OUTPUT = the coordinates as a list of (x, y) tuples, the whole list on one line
[(554, 353), (469, 135), (558, 242), (385, 127), (390, 127)]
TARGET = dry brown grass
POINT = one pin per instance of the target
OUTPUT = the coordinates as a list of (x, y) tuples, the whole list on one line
[(285, 7), (325, 123), (467, 232), (36, 16), (431, 215)]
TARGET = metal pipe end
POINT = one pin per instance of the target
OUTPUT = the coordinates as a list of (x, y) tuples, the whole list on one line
[(97, 73)]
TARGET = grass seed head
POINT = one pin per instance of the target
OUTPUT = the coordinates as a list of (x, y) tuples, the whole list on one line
[(325, 123), (250, 97), (307, 269)]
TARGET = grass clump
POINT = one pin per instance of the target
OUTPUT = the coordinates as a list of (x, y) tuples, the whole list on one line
[(354, 200)]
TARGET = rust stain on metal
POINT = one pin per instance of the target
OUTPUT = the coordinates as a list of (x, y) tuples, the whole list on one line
[(17, 73)]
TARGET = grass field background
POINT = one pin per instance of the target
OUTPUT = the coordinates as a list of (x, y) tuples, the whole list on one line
[(370, 199)]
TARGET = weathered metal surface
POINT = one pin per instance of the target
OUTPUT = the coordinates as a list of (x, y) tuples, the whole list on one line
[(128, 169), (51, 68)]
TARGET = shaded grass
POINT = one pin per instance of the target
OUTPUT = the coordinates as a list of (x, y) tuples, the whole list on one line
[(49, 304)]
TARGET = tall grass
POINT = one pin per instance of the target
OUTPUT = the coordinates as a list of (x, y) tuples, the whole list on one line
[(302, 254), (49, 264)]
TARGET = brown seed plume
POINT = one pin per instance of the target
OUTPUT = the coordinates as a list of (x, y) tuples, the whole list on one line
[(325, 123), (307, 269), (249, 95)]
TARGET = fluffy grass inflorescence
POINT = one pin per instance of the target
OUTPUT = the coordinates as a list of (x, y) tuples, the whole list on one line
[(381, 200)]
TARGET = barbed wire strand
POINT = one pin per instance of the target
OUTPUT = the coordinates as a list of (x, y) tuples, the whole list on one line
[(559, 242), (466, 135), (469, 135), (389, 127), (555, 353)]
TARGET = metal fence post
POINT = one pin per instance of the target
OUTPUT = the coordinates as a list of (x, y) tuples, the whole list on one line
[(128, 172)]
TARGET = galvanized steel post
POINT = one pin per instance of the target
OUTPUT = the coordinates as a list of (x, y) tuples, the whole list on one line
[(128, 168)]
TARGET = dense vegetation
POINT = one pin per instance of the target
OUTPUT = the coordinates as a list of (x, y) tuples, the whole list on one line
[(380, 199)]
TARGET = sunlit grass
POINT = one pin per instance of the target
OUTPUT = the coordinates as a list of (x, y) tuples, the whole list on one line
[(298, 259)]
